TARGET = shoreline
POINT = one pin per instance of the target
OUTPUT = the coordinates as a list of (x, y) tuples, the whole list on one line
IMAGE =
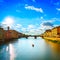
[(53, 39)]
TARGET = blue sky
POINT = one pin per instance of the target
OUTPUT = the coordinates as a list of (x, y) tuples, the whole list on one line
[(30, 16)]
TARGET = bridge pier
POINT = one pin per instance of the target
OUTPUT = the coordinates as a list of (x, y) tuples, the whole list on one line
[(35, 37)]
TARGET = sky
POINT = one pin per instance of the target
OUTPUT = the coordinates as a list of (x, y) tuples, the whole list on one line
[(30, 16)]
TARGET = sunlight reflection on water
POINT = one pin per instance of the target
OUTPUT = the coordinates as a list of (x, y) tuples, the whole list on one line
[(11, 51), (22, 50)]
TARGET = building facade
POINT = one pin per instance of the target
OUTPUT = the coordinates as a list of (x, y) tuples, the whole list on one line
[(55, 32), (14, 34), (1, 33)]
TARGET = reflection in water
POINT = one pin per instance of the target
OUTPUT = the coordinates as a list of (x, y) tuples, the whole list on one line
[(23, 50), (7, 48), (11, 51), (55, 48), (32, 45)]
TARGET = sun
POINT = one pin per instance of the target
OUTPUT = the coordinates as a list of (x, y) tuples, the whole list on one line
[(8, 21)]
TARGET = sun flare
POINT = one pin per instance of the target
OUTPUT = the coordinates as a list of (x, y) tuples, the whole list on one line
[(8, 21)]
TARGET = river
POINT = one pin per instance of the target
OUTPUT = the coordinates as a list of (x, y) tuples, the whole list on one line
[(22, 49)]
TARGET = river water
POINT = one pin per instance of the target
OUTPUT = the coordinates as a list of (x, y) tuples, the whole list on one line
[(22, 49)]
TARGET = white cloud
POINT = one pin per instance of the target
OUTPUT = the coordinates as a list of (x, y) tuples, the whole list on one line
[(31, 26), (51, 21), (24, 29), (32, 29), (58, 9), (46, 25), (18, 26), (34, 8)]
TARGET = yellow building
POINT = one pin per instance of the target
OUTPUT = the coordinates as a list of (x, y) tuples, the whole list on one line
[(56, 32), (48, 33)]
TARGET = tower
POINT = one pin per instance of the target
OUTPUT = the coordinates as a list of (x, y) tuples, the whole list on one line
[(8, 27)]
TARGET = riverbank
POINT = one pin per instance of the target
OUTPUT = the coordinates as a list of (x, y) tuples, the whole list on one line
[(7, 41), (53, 39)]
